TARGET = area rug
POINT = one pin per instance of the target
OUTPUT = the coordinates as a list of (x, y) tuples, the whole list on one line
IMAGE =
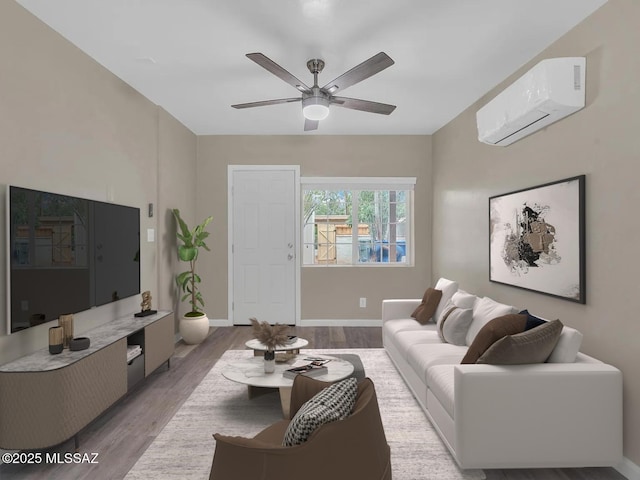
[(184, 449)]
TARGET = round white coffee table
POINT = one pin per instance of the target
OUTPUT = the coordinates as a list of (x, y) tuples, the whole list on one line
[(261, 347), (250, 371)]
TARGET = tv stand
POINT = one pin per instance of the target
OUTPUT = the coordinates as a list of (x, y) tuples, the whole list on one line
[(47, 399)]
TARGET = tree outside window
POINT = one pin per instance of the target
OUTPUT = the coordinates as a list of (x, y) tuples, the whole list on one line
[(352, 226)]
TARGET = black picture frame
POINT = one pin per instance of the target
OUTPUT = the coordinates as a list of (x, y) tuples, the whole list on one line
[(537, 239)]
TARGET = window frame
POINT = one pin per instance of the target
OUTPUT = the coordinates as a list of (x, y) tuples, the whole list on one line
[(356, 185)]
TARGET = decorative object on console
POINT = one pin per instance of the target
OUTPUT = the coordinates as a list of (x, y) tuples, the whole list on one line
[(145, 305), (56, 340), (194, 325), (79, 343), (537, 239), (271, 336), (66, 322)]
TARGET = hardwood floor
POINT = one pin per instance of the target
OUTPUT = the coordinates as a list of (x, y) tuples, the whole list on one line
[(122, 434)]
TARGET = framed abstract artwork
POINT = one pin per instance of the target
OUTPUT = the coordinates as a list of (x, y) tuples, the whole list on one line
[(537, 239)]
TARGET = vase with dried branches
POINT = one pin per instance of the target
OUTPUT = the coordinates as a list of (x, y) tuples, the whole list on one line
[(271, 336)]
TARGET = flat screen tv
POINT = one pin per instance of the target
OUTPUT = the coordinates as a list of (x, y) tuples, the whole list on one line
[(67, 255)]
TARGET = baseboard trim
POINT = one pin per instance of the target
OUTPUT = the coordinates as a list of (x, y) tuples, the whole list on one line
[(629, 469), (350, 322)]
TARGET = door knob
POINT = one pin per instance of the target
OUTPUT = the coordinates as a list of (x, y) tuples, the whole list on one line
[(290, 256), (290, 245)]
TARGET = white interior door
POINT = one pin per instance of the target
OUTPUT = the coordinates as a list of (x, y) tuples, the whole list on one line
[(263, 263)]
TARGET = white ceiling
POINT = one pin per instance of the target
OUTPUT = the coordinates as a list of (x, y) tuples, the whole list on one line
[(188, 56)]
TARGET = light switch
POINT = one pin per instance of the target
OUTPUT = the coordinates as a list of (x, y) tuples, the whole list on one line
[(151, 235)]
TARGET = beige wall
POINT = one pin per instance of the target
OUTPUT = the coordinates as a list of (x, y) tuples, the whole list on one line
[(68, 125), (327, 293), (176, 189), (601, 141)]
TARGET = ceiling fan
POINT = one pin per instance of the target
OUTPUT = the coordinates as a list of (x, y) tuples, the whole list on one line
[(316, 100)]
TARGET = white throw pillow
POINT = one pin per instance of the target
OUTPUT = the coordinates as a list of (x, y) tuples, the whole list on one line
[(463, 299), (485, 310), (448, 288), (568, 346)]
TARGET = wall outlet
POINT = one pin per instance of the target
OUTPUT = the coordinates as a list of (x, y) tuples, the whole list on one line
[(363, 302)]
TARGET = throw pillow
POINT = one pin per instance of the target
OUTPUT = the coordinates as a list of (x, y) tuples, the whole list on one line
[(430, 300), (448, 287), (463, 299), (452, 326), (567, 348), (484, 310), (330, 404), (532, 346), (532, 321), (493, 331)]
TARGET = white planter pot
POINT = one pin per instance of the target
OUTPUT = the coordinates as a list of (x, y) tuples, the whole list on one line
[(194, 329)]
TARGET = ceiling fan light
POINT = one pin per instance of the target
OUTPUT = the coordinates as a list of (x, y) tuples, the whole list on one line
[(315, 108)]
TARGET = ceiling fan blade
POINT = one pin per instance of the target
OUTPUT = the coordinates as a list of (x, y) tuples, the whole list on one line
[(278, 71), (370, 67), (363, 105), (310, 124), (264, 103)]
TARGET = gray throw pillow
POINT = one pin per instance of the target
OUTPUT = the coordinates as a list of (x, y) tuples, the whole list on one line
[(330, 404), (454, 323), (531, 346)]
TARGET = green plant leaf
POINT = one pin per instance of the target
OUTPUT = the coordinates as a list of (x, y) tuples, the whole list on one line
[(187, 253)]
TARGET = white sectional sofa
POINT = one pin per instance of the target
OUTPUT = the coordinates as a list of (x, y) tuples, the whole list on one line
[(565, 412)]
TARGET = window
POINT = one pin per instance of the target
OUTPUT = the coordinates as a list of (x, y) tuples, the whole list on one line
[(357, 221)]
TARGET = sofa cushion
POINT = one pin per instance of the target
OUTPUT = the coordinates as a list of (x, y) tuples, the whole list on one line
[(448, 288), (392, 327), (568, 346), (330, 404), (403, 341), (430, 300), (532, 346), (484, 310), (440, 380), (453, 324), (493, 331), (421, 357)]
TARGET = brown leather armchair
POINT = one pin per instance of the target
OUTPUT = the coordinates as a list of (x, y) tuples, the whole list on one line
[(353, 448)]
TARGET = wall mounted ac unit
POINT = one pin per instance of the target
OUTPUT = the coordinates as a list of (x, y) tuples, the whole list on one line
[(551, 90)]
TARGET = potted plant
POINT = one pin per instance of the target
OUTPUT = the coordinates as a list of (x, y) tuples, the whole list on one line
[(194, 325)]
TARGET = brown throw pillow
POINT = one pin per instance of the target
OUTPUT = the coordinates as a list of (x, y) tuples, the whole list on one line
[(493, 331), (430, 300), (532, 346)]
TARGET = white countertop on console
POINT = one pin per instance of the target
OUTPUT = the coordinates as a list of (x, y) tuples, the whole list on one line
[(100, 337)]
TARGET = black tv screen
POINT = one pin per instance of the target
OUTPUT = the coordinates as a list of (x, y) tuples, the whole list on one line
[(67, 255)]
